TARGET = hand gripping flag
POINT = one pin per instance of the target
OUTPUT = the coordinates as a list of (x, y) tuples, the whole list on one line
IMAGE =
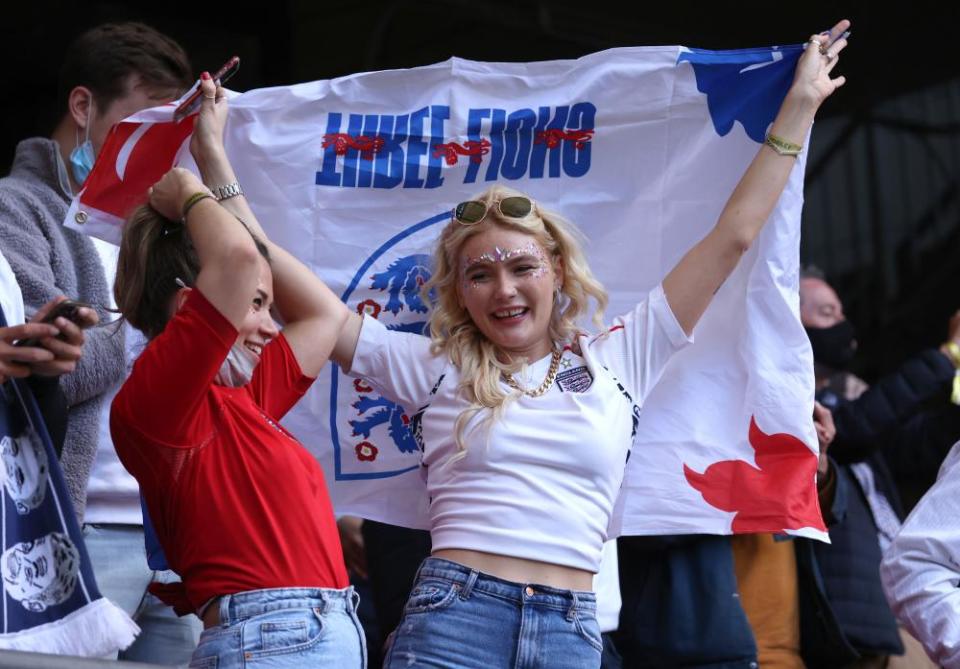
[(50, 599), (640, 147)]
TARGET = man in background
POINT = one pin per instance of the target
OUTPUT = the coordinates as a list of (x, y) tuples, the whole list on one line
[(108, 73)]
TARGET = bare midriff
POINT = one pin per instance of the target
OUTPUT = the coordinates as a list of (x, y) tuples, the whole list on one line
[(520, 570)]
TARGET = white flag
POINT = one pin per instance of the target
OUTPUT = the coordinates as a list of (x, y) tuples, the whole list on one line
[(640, 147)]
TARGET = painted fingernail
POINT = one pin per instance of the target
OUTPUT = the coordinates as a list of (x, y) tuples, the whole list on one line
[(204, 75)]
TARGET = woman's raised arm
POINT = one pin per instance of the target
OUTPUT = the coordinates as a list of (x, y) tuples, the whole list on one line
[(690, 285), (313, 316)]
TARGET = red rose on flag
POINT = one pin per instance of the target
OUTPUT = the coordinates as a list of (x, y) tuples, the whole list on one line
[(366, 452), (781, 485)]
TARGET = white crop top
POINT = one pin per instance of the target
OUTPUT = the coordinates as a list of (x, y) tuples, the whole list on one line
[(543, 485)]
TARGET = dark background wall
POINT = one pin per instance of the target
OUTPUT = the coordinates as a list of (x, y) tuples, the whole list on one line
[(883, 208)]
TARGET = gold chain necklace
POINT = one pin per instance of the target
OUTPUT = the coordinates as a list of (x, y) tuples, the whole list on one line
[(547, 382)]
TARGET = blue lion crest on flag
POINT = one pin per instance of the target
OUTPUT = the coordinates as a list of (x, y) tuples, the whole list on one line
[(402, 281), (390, 290)]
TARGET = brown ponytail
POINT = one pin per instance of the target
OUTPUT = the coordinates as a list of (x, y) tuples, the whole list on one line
[(154, 253)]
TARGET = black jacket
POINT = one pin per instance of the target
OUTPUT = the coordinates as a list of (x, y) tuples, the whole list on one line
[(889, 428), (892, 416)]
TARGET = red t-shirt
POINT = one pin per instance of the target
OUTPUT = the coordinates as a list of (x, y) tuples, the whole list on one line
[(237, 502)]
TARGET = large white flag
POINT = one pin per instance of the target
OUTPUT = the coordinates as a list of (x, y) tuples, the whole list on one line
[(640, 147)]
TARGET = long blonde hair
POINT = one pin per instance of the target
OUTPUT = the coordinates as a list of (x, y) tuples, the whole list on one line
[(454, 333)]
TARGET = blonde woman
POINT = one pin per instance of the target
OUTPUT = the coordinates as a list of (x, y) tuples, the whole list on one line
[(518, 510)]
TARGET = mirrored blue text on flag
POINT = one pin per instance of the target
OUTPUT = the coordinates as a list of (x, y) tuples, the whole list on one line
[(410, 150)]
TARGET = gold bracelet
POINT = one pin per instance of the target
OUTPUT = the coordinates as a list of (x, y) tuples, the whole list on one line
[(191, 202), (782, 146)]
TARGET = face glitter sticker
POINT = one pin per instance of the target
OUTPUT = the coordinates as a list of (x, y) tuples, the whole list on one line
[(501, 256)]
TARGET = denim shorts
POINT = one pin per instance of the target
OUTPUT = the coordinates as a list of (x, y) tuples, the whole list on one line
[(284, 627), (460, 617)]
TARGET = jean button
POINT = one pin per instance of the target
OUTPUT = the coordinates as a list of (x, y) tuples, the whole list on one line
[(529, 591)]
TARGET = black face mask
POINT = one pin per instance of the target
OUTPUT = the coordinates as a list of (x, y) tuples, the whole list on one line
[(833, 346)]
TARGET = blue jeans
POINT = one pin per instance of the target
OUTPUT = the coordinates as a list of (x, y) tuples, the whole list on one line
[(119, 563), (460, 617), (284, 627)]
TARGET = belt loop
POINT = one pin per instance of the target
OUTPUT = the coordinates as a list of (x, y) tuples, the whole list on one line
[(225, 618), (354, 599), (324, 602), (574, 603), (468, 586)]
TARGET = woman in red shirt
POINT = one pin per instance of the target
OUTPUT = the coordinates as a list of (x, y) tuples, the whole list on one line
[(240, 507)]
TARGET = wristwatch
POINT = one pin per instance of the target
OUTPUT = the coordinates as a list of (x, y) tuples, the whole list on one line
[(226, 191)]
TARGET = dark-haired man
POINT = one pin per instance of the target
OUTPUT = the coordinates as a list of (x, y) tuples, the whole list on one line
[(887, 436), (108, 73)]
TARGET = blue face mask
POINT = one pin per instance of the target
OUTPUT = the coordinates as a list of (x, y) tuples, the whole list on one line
[(81, 161), (82, 157)]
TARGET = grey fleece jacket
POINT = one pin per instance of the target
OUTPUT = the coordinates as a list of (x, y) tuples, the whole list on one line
[(50, 260)]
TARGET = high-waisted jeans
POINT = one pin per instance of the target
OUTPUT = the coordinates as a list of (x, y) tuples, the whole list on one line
[(461, 617), (284, 627)]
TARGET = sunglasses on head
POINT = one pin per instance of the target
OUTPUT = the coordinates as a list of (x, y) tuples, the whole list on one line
[(472, 211)]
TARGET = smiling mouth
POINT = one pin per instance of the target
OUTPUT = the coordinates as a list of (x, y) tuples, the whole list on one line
[(507, 314), (256, 348)]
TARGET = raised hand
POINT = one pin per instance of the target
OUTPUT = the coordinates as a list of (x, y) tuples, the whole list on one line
[(169, 194), (812, 79), (207, 140)]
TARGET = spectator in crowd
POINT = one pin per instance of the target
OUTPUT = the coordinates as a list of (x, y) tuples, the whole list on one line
[(108, 73), (240, 507), (905, 414), (750, 600), (921, 569), (885, 433)]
